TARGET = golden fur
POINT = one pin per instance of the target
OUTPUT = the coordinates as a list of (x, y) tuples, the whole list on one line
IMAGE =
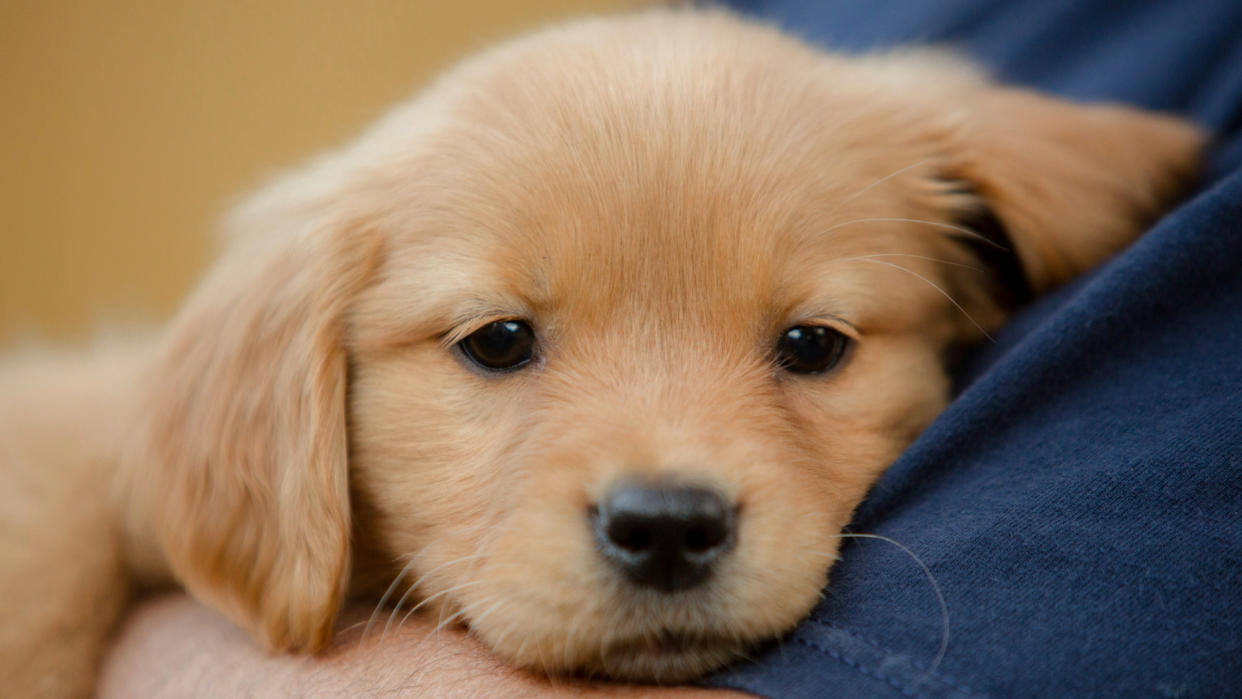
[(660, 196)]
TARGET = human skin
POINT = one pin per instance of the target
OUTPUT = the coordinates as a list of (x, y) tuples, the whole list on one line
[(171, 646)]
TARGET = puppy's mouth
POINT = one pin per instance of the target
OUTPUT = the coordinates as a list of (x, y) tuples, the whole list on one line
[(669, 655)]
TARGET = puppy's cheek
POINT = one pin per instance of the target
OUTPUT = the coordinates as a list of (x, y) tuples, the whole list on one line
[(892, 389), (426, 455), (544, 599), (787, 541)]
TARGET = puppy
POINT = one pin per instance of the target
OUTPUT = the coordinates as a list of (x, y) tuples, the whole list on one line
[(594, 346)]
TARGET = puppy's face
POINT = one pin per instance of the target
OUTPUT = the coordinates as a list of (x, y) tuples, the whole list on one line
[(569, 331), (646, 307)]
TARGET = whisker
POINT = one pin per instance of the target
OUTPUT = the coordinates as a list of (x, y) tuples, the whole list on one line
[(920, 257), (877, 183), (741, 654), (973, 235), (831, 555), (545, 667), (351, 627), (937, 288), (483, 550), (479, 619), (944, 607), (505, 634), (415, 585), (574, 627), (441, 593), (388, 593), (461, 614), (522, 647), (414, 557)]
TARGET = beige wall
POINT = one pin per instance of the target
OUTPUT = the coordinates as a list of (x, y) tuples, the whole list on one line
[(128, 126)]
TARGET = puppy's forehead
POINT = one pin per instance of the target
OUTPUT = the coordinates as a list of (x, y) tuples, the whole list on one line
[(661, 174)]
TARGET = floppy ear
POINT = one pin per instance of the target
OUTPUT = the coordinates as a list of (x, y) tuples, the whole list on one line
[(1070, 184), (243, 477)]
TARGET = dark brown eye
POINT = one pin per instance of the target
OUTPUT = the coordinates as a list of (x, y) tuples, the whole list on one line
[(810, 349), (499, 346)]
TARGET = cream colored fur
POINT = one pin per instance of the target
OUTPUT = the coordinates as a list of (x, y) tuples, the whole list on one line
[(660, 196)]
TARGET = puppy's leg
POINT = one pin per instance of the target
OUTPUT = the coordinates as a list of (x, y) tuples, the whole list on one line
[(62, 583)]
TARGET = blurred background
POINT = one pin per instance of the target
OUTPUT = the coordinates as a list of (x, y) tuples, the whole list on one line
[(129, 126)]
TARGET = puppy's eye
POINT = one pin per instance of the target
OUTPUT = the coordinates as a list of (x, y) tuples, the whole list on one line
[(810, 349), (504, 344)]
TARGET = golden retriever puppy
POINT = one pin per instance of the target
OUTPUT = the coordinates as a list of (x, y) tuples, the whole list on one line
[(594, 346)]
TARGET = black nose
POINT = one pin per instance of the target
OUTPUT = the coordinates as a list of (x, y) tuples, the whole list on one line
[(665, 537)]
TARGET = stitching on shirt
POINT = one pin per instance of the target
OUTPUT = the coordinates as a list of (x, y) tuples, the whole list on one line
[(905, 691), (918, 665)]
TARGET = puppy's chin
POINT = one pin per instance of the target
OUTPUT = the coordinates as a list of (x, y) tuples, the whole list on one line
[(659, 655), (648, 636), (666, 656)]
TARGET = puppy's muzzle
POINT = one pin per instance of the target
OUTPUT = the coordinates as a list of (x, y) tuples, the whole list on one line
[(664, 537)]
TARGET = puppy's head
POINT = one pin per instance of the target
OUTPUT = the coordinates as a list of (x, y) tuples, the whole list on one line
[(604, 337)]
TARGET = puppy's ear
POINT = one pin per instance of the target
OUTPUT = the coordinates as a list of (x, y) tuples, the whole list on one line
[(242, 480), (1070, 184)]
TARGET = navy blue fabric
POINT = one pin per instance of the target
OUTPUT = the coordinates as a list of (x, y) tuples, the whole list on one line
[(1080, 503)]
